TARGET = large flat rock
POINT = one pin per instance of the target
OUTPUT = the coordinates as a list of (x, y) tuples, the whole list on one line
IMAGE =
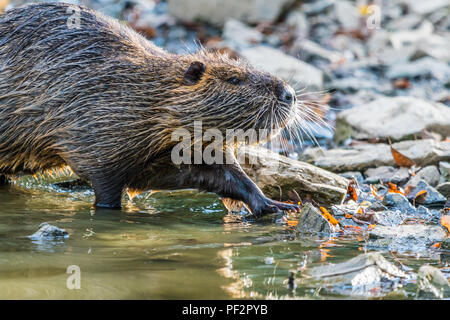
[(399, 118), (273, 172), (218, 11), (363, 156)]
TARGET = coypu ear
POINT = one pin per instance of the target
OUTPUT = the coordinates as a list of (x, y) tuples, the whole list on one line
[(194, 73)]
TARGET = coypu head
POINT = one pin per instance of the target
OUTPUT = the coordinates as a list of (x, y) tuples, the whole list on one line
[(225, 94)]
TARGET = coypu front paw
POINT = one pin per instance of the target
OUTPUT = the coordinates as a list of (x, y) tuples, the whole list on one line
[(268, 206)]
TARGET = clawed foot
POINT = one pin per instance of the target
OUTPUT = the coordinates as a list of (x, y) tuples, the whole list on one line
[(268, 206)]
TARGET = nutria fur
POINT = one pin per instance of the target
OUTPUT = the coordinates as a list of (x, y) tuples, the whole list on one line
[(105, 101)]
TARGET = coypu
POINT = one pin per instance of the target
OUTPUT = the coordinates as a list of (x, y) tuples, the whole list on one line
[(104, 100)]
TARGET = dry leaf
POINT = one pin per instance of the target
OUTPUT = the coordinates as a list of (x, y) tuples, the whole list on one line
[(400, 159), (437, 245), (445, 221), (329, 217), (394, 189)]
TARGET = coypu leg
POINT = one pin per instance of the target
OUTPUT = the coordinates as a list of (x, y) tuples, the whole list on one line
[(3, 180), (230, 181), (108, 196), (107, 188), (227, 181)]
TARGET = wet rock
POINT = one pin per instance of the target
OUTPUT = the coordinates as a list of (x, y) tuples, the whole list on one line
[(444, 168), (311, 221), (432, 280), (353, 174), (444, 189), (398, 201), (446, 244), (298, 73), (432, 197), (398, 118), (362, 275), (429, 174), (424, 67), (377, 206), (273, 172), (386, 174), (364, 156), (390, 218), (405, 238), (48, 232), (218, 11), (238, 35), (352, 84)]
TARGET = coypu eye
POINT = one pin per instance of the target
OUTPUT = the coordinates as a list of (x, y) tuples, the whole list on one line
[(235, 81)]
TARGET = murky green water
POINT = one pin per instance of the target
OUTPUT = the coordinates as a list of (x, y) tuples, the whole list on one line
[(178, 245)]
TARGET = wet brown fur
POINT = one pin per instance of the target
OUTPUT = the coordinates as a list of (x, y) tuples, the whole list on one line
[(105, 101)]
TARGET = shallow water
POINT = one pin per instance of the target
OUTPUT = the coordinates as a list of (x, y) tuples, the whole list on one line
[(171, 245)]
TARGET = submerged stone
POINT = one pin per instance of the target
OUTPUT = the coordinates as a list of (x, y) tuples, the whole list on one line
[(431, 280), (362, 275), (49, 232)]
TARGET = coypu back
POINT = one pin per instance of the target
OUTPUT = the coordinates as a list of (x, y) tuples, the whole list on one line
[(59, 84)]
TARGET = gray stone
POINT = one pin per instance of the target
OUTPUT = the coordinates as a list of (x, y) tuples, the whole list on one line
[(386, 174), (444, 189), (347, 15), (427, 233), (354, 265), (398, 118), (218, 11), (316, 7), (444, 168), (311, 221), (359, 276), (310, 48), (423, 67), (298, 73), (398, 201), (427, 7), (353, 174), (432, 197), (238, 35), (364, 156), (272, 172), (49, 232), (352, 84), (430, 174)]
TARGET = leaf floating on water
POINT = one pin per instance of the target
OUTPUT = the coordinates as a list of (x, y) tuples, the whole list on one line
[(400, 159), (445, 221)]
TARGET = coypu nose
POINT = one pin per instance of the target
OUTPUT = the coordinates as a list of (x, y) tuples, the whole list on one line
[(286, 95)]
